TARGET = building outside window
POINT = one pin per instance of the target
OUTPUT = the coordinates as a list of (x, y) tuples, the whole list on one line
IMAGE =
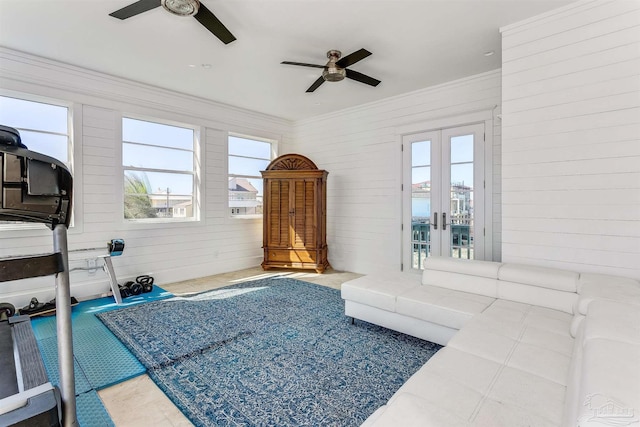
[(44, 128), (247, 157), (159, 170)]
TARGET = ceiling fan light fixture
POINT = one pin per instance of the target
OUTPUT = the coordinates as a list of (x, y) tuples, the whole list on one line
[(181, 7), (334, 74)]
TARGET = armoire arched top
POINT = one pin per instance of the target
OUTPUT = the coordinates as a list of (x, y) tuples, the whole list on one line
[(292, 162)]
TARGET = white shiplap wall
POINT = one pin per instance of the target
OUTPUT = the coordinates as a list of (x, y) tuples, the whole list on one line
[(571, 139), (170, 252), (360, 148)]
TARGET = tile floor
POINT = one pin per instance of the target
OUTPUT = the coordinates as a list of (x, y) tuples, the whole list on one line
[(139, 402)]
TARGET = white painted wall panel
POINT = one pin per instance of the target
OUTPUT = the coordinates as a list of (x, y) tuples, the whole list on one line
[(170, 252), (571, 139), (360, 148)]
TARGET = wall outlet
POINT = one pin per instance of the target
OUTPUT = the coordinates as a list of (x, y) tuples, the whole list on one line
[(92, 265)]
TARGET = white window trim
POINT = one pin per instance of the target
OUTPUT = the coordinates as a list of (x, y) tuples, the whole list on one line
[(483, 115), (74, 123), (274, 154), (198, 167)]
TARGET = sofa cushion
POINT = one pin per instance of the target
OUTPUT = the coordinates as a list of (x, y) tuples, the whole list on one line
[(605, 368), (409, 410), (483, 342), (539, 336), (613, 321), (441, 306), (473, 276), (608, 285), (435, 333), (461, 282), (552, 278), (536, 295), (609, 384), (488, 269), (515, 314), (529, 338), (470, 388), (531, 358), (379, 291), (453, 396), (539, 400), (413, 411), (601, 286), (495, 413), (475, 372)]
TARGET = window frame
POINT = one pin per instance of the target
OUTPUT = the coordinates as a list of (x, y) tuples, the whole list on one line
[(195, 173), (21, 229), (273, 153)]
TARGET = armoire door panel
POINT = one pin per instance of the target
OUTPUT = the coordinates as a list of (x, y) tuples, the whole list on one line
[(304, 207), (278, 213)]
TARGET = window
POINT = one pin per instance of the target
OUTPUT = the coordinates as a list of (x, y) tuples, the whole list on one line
[(247, 157), (159, 170), (44, 128)]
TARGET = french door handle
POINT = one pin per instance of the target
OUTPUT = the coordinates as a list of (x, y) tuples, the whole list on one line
[(435, 220), (444, 220)]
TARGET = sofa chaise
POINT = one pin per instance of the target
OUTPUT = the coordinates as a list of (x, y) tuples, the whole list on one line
[(524, 345)]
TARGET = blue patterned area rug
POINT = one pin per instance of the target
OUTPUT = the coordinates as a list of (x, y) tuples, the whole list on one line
[(271, 352)]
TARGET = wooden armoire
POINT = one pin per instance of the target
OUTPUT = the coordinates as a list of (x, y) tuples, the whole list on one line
[(295, 205)]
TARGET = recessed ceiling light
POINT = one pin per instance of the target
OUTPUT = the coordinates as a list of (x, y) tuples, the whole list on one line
[(206, 66), (192, 65), (489, 53)]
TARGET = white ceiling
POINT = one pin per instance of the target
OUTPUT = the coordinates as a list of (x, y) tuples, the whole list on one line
[(415, 44)]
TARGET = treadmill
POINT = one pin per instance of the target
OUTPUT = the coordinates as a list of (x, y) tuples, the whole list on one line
[(35, 188)]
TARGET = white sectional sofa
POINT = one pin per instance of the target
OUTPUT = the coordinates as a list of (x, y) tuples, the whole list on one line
[(524, 345)]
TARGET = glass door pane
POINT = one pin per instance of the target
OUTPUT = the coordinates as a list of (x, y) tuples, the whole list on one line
[(420, 203), (462, 196)]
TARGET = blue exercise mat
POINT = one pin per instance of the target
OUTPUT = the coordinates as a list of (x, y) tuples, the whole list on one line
[(91, 412), (100, 359), (49, 350)]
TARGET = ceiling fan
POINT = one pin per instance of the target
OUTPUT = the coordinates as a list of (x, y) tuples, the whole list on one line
[(336, 69), (181, 8)]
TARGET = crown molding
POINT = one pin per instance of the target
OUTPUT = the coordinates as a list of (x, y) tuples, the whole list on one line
[(429, 91), (31, 69), (563, 11)]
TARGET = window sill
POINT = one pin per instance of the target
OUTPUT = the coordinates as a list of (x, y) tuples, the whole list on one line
[(245, 217), (156, 223), (158, 220), (12, 231)]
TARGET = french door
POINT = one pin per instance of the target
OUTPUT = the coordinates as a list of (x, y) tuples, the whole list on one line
[(443, 194)]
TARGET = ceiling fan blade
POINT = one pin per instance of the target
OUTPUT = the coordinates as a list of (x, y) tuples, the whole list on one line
[(351, 59), (213, 24), (302, 64), (362, 78), (316, 84), (135, 9)]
